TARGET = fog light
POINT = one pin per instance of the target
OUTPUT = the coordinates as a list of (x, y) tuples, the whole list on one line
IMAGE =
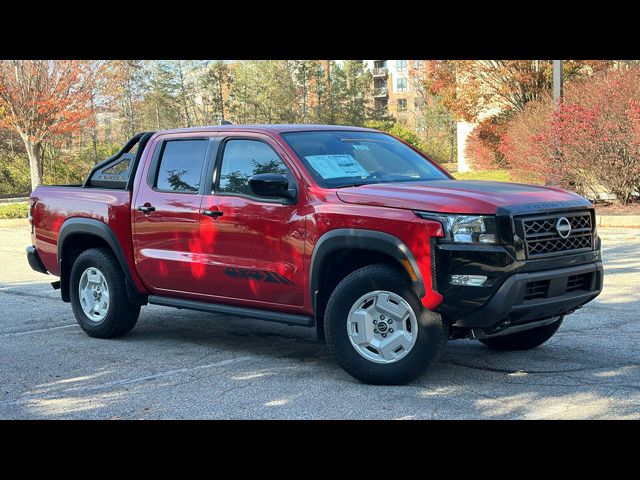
[(468, 280), (487, 238)]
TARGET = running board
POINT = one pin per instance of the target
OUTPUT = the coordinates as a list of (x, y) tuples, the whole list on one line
[(288, 318)]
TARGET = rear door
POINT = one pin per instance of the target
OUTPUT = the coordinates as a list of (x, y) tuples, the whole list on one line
[(166, 213)]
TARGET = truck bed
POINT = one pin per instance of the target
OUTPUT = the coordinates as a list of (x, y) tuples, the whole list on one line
[(52, 205)]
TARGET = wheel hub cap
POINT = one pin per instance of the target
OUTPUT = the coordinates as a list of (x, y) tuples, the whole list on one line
[(382, 327), (94, 294)]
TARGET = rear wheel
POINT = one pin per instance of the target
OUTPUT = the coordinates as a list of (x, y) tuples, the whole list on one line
[(378, 330), (98, 296), (524, 340)]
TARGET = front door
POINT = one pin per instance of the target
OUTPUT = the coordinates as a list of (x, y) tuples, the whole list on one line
[(166, 215), (254, 246)]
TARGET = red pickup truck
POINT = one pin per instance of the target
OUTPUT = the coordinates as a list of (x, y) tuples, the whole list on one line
[(348, 230)]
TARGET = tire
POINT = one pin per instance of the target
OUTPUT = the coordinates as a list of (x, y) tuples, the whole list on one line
[(524, 340), (120, 315), (430, 330)]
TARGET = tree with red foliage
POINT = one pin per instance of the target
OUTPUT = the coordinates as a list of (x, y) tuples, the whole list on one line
[(491, 92), (483, 144), (43, 98), (591, 143), (524, 146), (472, 87)]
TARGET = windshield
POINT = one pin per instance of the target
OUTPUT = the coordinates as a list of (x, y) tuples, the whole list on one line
[(344, 158)]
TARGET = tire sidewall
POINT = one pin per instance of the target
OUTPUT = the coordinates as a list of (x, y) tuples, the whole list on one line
[(429, 334), (86, 260)]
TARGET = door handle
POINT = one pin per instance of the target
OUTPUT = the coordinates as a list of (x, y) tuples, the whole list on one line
[(212, 213), (146, 208)]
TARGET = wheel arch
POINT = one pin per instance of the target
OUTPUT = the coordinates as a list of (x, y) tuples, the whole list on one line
[(362, 239), (79, 234), (381, 246)]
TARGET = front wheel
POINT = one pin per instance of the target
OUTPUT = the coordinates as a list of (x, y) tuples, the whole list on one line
[(524, 340), (378, 330), (98, 296)]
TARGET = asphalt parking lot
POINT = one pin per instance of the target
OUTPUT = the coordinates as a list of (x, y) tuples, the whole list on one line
[(181, 364)]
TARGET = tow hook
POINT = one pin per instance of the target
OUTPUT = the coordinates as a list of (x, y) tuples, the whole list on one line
[(478, 333)]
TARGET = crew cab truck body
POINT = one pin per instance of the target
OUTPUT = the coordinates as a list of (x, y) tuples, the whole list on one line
[(346, 229)]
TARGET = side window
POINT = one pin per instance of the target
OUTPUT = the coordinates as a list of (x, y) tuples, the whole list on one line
[(180, 165), (243, 158)]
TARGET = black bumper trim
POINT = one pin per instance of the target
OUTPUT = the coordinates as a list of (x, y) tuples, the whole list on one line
[(507, 303), (34, 260)]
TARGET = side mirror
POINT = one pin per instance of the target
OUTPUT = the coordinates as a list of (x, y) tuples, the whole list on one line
[(271, 185)]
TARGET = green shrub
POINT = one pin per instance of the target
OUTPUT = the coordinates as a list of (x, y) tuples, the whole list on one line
[(437, 148), (397, 130), (14, 174), (14, 210)]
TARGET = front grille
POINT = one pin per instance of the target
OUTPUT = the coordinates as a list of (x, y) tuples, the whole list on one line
[(536, 289), (542, 238)]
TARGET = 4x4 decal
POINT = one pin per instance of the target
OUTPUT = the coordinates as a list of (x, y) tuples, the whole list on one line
[(261, 275)]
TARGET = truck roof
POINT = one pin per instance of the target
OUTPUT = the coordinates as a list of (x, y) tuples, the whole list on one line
[(264, 128)]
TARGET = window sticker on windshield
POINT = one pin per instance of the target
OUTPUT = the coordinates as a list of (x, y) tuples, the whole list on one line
[(360, 147), (336, 166)]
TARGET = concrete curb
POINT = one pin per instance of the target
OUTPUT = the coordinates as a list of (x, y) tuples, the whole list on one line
[(618, 220), (13, 222), (8, 201)]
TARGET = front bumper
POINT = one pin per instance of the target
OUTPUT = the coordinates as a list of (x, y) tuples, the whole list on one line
[(510, 296), (34, 260), (510, 305)]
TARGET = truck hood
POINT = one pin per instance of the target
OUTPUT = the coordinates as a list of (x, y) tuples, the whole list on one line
[(457, 196)]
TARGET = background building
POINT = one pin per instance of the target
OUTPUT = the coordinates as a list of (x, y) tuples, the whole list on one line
[(398, 90)]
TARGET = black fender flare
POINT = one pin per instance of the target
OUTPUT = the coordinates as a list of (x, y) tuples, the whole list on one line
[(365, 240), (97, 228)]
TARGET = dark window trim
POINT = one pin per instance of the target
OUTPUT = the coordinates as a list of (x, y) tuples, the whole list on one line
[(154, 167), (218, 168)]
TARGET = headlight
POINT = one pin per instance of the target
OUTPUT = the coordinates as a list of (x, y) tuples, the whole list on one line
[(466, 228)]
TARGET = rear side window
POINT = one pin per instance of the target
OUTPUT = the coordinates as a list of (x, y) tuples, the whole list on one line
[(242, 159), (119, 168), (181, 165)]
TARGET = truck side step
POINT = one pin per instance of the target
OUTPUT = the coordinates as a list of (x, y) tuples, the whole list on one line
[(288, 318)]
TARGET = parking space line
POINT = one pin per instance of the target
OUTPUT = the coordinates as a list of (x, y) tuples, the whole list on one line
[(37, 330), (18, 293), (117, 383), (155, 376)]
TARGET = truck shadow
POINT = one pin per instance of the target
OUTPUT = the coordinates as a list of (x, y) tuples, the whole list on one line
[(589, 369), (561, 378)]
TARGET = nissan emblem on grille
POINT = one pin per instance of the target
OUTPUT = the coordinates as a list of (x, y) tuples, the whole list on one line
[(563, 227)]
